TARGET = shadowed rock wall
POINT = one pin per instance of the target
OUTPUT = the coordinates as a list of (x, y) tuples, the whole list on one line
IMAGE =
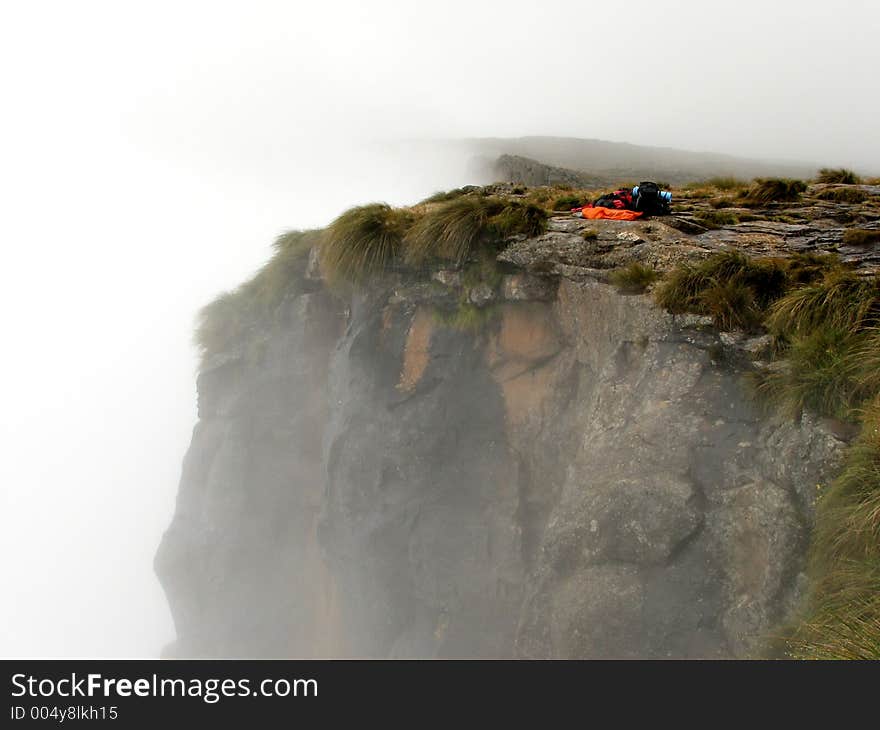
[(579, 476)]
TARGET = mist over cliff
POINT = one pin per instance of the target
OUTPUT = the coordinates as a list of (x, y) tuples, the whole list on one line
[(151, 154)]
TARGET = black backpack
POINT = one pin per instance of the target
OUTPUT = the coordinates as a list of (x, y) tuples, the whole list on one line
[(649, 201)]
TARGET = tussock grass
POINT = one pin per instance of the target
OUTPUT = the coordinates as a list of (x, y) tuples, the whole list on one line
[(634, 279), (838, 175), (843, 195), (226, 321), (827, 323), (843, 617), (716, 219), (732, 305), (363, 242), (841, 301), (774, 190), (444, 196), (832, 354), (819, 376), (861, 237), (720, 203), (734, 289), (456, 230)]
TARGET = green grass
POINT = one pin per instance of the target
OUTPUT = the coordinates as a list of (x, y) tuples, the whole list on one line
[(819, 375), (466, 317), (732, 305), (716, 219), (839, 175), (226, 321), (774, 190), (634, 279), (589, 234), (861, 237), (567, 202), (842, 620), (455, 231), (734, 289), (719, 203), (841, 301), (828, 329), (363, 242), (843, 195), (444, 196), (826, 320), (737, 290)]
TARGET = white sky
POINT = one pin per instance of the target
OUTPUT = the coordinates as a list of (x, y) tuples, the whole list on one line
[(150, 151)]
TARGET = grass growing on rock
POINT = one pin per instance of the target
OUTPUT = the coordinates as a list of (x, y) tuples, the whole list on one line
[(716, 219), (838, 175), (732, 288), (466, 317), (444, 196), (843, 195), (774, 190), (861, 237), (364, 241), (634, 279), (226, 321), (843, 616), (829, 334), (456, 230), (840, 301), (818, 375)]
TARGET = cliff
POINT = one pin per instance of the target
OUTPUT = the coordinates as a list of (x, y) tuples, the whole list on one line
[(526, 463)]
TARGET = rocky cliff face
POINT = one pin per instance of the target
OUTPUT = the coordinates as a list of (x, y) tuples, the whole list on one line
[(578, 475)]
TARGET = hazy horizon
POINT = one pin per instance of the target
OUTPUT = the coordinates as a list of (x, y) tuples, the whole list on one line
[(151, 153)]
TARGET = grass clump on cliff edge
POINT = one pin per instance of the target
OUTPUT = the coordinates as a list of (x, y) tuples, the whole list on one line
[(363, 242), (829, 332), (225, 322), (840, 175), (447, 195), (824, 331), (841, 301), (818, 375), (732, 288), (634, 279), (774, 190), (843, 616), (454, 231)]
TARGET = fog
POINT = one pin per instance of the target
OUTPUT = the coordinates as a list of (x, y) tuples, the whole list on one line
[(152, 151)]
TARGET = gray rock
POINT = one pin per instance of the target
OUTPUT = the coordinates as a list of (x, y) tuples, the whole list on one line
[(481, 295), (761, 542), (525, 287), (447, 277), (638, 521), (575, 478), (313, 268)]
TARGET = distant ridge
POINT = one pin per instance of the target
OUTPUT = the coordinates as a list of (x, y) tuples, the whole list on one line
[(599, 161)]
